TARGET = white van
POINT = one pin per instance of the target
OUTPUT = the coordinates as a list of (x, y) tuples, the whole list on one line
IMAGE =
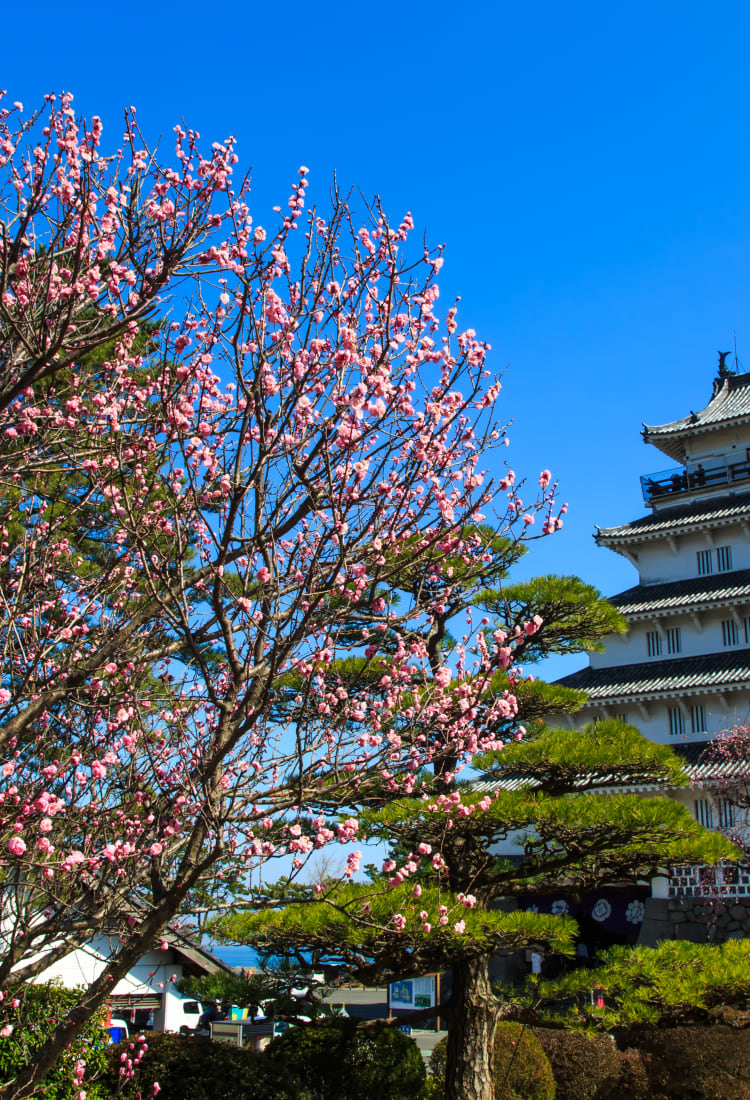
[(180, 1012)]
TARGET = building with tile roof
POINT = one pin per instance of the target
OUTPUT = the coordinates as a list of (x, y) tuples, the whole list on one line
[(682, 673)]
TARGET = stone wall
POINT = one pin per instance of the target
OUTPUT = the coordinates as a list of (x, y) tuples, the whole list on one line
[(699, 920)]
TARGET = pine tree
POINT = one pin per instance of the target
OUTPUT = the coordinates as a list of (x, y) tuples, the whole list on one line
[(434, 905)]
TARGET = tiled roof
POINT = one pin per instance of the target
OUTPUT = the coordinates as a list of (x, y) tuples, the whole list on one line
[(716, 512), (730, 402), (702, 766), (725, 671), (699, 764), (694, 593)]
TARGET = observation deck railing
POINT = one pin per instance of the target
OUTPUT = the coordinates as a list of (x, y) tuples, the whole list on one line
[(682, 479)]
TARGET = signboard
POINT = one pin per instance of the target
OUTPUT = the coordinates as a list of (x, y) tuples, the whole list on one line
[(414, 993)]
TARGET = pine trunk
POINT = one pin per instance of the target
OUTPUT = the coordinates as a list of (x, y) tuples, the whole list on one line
[(471, 1035)]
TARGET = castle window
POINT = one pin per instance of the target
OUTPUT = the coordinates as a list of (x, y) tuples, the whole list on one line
[(730, 635), (723, 558), (726, 814), (676, 722), (653, 642), (705, 562), (674, 644), (698, 719), (704, 812)]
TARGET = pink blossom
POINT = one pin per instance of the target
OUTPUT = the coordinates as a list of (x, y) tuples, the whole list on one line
[(442, 676), (16, 846)]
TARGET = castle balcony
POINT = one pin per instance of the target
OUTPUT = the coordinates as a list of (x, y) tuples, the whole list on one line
[(673, 484)]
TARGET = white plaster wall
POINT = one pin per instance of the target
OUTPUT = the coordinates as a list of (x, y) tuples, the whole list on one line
[(723, 442), (659, 562), (698, 635), (154, 974), (151, 975), (652, 718)]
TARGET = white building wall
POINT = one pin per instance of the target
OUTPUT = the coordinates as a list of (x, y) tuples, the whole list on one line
[(154, 975), (674, 557)]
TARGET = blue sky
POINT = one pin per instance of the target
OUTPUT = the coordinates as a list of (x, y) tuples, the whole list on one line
[(586, 166)]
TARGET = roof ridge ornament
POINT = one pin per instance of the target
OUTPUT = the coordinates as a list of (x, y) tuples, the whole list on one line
[(723, 372)]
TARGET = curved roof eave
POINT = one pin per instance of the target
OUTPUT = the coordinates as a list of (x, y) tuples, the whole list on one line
[(729, 407)]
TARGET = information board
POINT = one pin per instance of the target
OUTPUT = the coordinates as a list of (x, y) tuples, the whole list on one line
[(414, 993)]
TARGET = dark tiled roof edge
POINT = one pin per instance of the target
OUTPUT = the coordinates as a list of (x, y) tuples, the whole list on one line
[(730, 402), (723, 508), (717, 588), (729, 670)]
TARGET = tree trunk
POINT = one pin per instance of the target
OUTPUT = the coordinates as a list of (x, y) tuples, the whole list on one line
[(471, 1035)]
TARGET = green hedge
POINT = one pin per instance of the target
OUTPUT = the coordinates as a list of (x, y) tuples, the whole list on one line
[(305, 1063), (692, 1063), (585, 1067), (346, 1062), (191, 1068)]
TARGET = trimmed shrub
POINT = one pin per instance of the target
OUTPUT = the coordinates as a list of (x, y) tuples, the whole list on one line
[(31, 1012), (194, 1068), (633, 1081), (522, 1069), (346, 1062), (585, 1067), (693, 1063)]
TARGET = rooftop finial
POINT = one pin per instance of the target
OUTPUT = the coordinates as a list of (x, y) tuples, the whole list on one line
[(723, 373)]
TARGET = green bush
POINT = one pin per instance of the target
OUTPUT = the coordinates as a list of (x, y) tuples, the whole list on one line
[(32, 1012), (522, 1069), (585, 1067), (193, 1068), (692, 1063), (305, 1063), (346, 1062)]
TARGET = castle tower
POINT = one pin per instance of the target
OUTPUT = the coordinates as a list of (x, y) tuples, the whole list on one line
[(682, 673)]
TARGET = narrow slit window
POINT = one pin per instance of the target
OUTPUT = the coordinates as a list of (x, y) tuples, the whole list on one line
[(674, 643), (726, 814), (704, 812), (653, 642), (730, 635), (723, 558), (705, 562), (698, 719), (676, 722)]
